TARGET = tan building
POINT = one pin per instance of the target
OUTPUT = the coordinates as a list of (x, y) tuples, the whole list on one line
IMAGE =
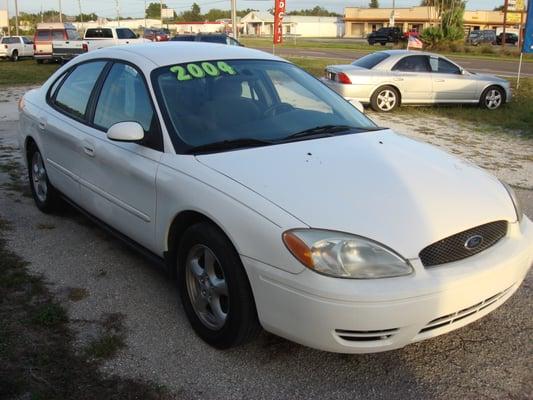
[(359, 22)]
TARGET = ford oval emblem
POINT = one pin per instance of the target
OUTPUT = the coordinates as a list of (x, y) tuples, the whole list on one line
[(473, 242)]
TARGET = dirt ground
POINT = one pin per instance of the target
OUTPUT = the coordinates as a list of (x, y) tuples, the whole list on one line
[(491, 358)]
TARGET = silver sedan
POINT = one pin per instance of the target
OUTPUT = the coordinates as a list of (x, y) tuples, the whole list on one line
[(387, 79)]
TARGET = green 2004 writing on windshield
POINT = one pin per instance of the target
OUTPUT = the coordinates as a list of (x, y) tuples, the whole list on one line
[(199, 71)]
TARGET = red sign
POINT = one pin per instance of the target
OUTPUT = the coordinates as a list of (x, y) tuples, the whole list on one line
[(279, 12)]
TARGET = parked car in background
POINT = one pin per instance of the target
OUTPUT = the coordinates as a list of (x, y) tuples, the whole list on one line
[(14, 47), (220, 38), (510, 38), (98, 38), (47, 33), (475, 38), (273, 201), (387, 79), (385, 35), (156, 35)]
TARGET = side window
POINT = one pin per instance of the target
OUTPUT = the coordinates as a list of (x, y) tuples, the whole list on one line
[(26, 40), (72, 34), (125, 34), (58, 35), (74, 93), (443, 66), (412, 64), (124, 97)]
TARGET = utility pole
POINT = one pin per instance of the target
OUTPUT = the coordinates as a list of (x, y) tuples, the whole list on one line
[(161, 12), (505, 5), (42, 16), (81, 14), (144, 14), (234, 28), (118, 11), (8, 24), (17, 17), (60, 12)]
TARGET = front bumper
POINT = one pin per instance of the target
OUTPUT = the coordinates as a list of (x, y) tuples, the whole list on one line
[(365, 316)]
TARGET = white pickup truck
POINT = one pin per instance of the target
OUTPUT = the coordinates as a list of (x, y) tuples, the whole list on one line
[(14, 47), (97, 38)]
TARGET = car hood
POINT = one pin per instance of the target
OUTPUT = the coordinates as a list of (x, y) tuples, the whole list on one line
[(380, 185)]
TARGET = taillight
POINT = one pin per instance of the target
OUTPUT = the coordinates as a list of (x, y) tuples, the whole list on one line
[(84, 47), (5, 46), (34, 47), (341, 77)]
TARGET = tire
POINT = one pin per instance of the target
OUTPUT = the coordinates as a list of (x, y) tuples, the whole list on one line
[(39, 61), (46, 197), (385, 99), (383, 43), (15, 56), (207, 260), (371, 42), (492, 98)]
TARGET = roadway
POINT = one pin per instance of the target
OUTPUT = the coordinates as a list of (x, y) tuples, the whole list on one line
[(506, 68)]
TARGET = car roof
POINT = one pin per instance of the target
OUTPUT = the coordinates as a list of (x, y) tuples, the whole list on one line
[(176, 52), (410, 52)]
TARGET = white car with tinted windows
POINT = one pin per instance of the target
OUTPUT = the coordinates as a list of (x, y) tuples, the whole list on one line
[(274, 202)]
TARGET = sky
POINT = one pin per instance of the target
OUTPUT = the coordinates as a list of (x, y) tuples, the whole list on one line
[(134, 8)]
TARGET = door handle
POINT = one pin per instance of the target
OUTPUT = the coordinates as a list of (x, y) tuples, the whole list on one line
[(88, 148), (398, 79), (127, 42), (440, 80), (42, 124)]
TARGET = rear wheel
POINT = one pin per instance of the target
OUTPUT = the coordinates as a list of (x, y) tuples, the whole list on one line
[(15, 55), (492, 98), (214, 288), (44, 194), (385, 99)]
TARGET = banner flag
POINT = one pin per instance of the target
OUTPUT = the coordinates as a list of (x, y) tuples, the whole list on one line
[(528, 35), (279, 12), (414, 43)]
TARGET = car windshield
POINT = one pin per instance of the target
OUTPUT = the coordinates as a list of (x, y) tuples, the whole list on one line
[(474, 34), (371, 60), (261, 101)]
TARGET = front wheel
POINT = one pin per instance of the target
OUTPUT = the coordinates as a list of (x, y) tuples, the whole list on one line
[(214, 288), (492, 98), (385, 99), (44, 194), (15, 55)]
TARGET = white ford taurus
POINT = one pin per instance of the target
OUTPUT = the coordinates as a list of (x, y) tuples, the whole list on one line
[(273, 200)]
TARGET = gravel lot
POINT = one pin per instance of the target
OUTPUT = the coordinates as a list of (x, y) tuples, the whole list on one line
[(492, 358)]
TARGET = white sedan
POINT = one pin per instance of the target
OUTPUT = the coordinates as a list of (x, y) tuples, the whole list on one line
[(274, 202)]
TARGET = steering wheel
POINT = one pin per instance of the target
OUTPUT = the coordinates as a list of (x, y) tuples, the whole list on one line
[(277, 109)]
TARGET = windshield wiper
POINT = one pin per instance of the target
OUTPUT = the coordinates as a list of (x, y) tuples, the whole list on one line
[(327, 130), (228, 145)]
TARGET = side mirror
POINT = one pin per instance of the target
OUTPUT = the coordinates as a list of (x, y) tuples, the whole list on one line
[(126, 132), (357, 105)]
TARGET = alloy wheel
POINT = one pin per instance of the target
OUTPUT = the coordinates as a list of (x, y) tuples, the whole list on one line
[(39, 178), (207, 287), (386, 100), (493, 99)]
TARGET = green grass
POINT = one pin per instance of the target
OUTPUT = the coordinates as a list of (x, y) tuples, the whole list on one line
[(515, 117), (480, 52), (25, 72)]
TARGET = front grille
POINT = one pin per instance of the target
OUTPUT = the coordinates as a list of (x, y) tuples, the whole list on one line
[(453, 248), (365, 336), (464, 313)]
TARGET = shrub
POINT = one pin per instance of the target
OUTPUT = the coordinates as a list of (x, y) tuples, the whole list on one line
[(486, 49)]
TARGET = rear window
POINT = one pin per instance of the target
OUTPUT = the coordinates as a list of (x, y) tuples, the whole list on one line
[(99, 33), (43, 35), (184, 38), (58, 34), (10, 40), (214, 39), (371, 60)]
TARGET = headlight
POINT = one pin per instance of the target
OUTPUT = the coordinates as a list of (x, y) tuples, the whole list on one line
[(516, 202), (343, 255)]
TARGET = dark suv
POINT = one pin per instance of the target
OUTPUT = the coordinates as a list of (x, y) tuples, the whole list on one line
[(220, 38), (385, 35), (511, 38)]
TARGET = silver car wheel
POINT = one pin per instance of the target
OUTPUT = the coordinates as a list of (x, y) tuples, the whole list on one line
[(207, 287), (39, 178), (493, 99), (386, 100)]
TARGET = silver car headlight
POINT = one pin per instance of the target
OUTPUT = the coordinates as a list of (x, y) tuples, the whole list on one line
[(516, 202), (344, 255)]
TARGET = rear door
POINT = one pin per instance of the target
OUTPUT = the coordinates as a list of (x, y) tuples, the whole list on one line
[(412, 74), (126, 36), (43, 42), (62, 127), (118, 178), (449, 83)]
